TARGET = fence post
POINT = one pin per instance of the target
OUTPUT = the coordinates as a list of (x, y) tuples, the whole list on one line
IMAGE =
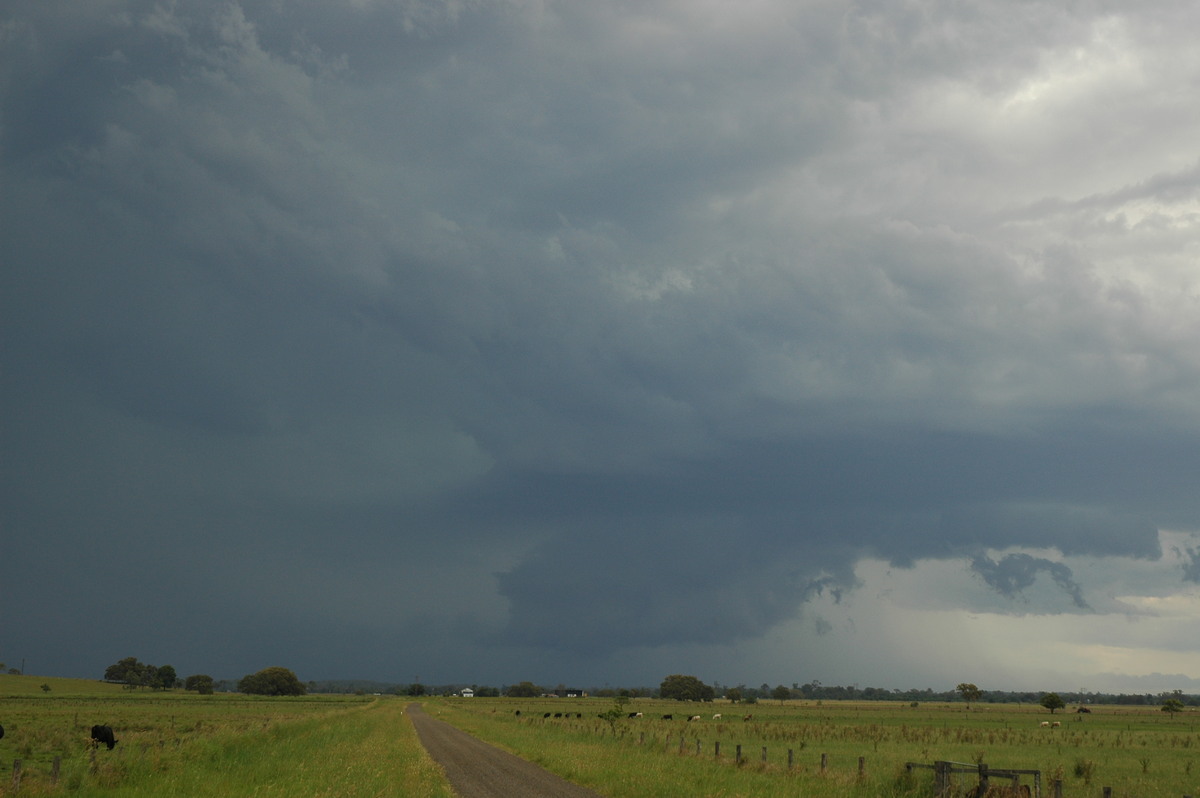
[(983, 778), (16, 779), (791, 759), (54, 769), (824, 762), (1057, 789), (862, 766), (738, 755), (641, 738), (764, 754), (1107, 792), (682, 740), (941, 777), (697, 746), (717, 749)]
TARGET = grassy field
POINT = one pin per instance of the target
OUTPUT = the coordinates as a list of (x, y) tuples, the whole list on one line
[(180, 744), (1136, 751)]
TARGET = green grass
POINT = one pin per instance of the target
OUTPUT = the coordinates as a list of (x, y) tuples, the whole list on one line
[(179, 744), (182, 744), (1136, 751)]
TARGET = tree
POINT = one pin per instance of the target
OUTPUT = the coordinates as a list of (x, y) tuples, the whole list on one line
[(1172, 705), (271, 681), (202, 683), (1051, 701), (132, 673), (165, 677), (734, 694), (685, 688), (969, 692), (523, 690), (781, 694)]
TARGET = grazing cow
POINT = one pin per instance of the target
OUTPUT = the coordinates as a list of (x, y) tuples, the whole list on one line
[(1055, 724), (668, 717), (546, 715), (1045, 724), (747, 717), (1083, 710), (717, 716), (693, 717), (517, 713), (558, 714), (103, 734), (634, 714)]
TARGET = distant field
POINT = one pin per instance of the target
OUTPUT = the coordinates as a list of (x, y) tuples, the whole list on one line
[(182, 744), (1137, 751)]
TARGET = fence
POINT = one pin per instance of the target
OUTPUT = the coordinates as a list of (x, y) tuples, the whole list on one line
[(943, 771)]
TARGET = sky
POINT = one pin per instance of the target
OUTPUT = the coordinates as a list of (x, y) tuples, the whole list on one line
[(585, 343)]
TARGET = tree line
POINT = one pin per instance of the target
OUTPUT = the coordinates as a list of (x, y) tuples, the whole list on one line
[(281, 681), (133, 673)]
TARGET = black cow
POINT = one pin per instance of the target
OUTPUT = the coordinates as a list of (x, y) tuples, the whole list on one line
[(668, 717), (1, 731), (103, 734)]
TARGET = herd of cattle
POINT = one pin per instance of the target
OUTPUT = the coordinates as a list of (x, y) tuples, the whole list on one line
[(632, 715)]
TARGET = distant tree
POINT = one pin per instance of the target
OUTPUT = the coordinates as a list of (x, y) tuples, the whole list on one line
[(1172, 705), (132, 673), (165, 677), (734, 694), (781, 694), (202, 683), (523, 690), (416, 689), (46, 689), (488, 692), (969, 692), (1052, 701), (271, 681), (685, 688)]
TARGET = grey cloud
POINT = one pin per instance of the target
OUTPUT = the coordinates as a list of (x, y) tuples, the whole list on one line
[(1013, 573), (670, 319)]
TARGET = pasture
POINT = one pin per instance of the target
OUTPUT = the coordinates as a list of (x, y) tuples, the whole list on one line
[(180, 744), (1135, 751)]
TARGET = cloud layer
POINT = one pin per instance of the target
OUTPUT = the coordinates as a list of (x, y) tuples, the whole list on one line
[(392, 337)]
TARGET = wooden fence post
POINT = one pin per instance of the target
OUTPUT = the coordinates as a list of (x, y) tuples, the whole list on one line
[(54, 769), (764, 754), (697, 746), (941, 777), (16, 777), (1107, 792), (791, 759), (824, 762), (862, 766), (983, 778), (738, 755), (717, 749), (1057, 788), (682, 740)]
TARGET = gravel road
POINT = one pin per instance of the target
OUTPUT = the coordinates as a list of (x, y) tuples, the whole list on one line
[(479, 770)]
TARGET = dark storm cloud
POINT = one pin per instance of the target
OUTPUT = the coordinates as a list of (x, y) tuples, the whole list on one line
[(1013, 573), (569, 327)]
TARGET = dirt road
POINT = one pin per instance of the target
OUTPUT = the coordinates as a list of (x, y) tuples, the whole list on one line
[(479, 770)]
